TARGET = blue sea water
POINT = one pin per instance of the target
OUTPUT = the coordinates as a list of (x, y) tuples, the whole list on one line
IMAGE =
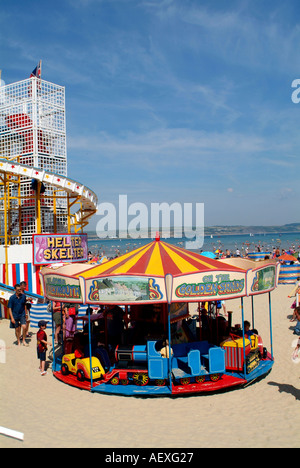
[(112, 247)]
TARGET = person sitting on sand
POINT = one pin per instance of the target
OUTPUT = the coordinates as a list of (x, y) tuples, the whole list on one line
[(297, 327), (296, 350), (295, 292)]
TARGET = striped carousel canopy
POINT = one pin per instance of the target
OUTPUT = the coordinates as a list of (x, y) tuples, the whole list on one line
[(141, 276), (157, 272), (158, 258)]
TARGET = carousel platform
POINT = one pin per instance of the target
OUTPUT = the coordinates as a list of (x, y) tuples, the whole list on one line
[(228, 381)]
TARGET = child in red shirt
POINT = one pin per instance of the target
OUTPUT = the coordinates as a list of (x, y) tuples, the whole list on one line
[(42, 345)]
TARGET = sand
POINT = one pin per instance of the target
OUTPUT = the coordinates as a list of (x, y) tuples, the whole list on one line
[(52, 414)]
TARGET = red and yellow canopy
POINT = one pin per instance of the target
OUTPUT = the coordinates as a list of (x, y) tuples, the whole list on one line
[(140, 277), (157, 259), (157, 272)]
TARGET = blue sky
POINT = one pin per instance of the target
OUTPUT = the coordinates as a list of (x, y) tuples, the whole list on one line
[(172, 100)]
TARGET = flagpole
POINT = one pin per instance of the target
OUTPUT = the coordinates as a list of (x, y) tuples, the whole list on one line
[(169, 285), (89, 310)]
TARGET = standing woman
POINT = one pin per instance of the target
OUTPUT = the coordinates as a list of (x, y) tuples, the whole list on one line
[(57, 317), (23, 286)]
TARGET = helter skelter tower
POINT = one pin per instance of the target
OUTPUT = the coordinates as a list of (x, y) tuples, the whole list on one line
[(36, 195)]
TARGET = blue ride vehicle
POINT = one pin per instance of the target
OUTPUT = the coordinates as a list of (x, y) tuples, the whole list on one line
[(190, 362)]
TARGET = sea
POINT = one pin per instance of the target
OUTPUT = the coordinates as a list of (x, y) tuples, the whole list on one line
[(266, 242)]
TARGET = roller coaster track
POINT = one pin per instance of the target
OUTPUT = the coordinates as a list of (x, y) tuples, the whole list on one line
[(80, 193)]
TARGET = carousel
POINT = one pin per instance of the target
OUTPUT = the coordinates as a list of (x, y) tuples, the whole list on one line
[(139, 336)]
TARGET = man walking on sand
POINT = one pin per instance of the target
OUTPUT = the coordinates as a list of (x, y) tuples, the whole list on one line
[(17, 313)]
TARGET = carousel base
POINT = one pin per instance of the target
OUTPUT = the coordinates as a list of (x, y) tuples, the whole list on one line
[(228, 381)]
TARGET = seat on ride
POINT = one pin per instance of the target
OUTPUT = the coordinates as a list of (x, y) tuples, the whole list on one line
[(157, 365)]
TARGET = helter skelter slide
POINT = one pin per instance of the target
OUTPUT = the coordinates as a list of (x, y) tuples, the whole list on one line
[(36, 195)]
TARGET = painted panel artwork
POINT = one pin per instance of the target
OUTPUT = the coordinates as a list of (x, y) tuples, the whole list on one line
[(62, 289), (124, 289), (264, 279)]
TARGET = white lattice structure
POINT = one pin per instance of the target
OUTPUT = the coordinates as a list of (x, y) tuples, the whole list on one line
[(33, 133), (36, 195)]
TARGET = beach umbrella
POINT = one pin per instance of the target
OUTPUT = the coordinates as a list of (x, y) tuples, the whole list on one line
[(208, 254), (287, 257)]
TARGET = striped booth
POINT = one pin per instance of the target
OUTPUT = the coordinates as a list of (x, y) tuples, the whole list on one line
[(18, 272), (39, 312), (258, 255), (289, 273)]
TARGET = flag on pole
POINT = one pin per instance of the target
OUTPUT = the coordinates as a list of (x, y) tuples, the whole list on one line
[(37, 71)]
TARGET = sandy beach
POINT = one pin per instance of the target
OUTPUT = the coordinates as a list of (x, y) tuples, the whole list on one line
[(52, 414)]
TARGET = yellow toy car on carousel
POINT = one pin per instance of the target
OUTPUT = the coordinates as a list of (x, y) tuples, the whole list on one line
[(81, 367)]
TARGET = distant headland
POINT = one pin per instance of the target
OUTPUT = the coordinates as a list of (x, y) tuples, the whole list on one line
[(217, 230), (234, 230)]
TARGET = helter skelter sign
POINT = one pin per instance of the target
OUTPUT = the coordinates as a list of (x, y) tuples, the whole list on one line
[(59, 248)]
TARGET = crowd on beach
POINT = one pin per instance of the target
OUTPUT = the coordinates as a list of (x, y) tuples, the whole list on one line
[(96, 256), (276, 254)]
